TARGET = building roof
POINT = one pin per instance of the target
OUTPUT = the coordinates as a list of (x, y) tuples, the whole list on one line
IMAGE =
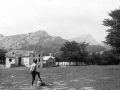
[(45, 58), (12, 53)]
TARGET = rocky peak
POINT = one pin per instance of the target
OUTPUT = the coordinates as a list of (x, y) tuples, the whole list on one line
[(39, 33), (88, 38)]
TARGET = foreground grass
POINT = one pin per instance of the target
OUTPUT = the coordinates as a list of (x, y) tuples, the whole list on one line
[(63, 78)]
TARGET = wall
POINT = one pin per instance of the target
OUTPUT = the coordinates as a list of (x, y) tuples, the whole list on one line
[(67, 63), (37, 56), (25, 61), (8, 63)]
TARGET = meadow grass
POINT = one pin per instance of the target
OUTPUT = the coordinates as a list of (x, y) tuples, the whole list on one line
[(63, 78)]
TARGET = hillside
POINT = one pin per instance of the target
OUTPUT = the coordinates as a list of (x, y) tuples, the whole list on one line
[(108, 47), (40, 38), (95, 48)]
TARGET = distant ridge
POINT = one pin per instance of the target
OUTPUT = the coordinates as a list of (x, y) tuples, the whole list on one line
[(88, 38), (41, 40)]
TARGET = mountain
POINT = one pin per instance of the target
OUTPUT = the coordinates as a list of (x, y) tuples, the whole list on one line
[(92, 41), (1, 36), (39, 38), (85, 38)]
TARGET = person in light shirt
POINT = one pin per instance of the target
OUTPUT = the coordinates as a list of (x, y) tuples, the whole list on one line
[(34, 71)]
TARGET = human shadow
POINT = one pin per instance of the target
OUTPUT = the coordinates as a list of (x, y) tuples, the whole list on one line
[(46, 85)]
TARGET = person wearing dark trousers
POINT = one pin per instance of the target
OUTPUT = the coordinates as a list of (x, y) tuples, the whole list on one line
[(34, 72)]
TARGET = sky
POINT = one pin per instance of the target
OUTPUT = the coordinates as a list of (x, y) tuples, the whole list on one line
[(64, 18)]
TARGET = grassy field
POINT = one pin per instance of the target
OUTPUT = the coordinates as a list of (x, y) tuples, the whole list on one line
[(63, 78)]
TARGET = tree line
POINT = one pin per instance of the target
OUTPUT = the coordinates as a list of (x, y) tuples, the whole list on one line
[(76, 52), (2, 55)]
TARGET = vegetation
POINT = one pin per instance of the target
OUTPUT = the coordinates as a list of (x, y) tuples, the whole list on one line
[(46, 50), (104, 58), (2, 55), (74, 52), (113, 37), (65, 78), (95, 48), (77, 52)]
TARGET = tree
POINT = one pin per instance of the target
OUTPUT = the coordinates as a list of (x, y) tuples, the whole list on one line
[(73, 51), (109, 58), (2, 54), (94, 58), (113, 37)]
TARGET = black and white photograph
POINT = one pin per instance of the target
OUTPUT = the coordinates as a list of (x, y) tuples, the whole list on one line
[(59, 44)]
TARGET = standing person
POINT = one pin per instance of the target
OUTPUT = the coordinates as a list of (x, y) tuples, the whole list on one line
[(34, 72)]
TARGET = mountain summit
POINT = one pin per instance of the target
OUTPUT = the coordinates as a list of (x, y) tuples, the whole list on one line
[(88, 38)]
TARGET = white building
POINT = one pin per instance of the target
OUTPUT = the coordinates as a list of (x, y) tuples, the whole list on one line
[(25, 58)]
